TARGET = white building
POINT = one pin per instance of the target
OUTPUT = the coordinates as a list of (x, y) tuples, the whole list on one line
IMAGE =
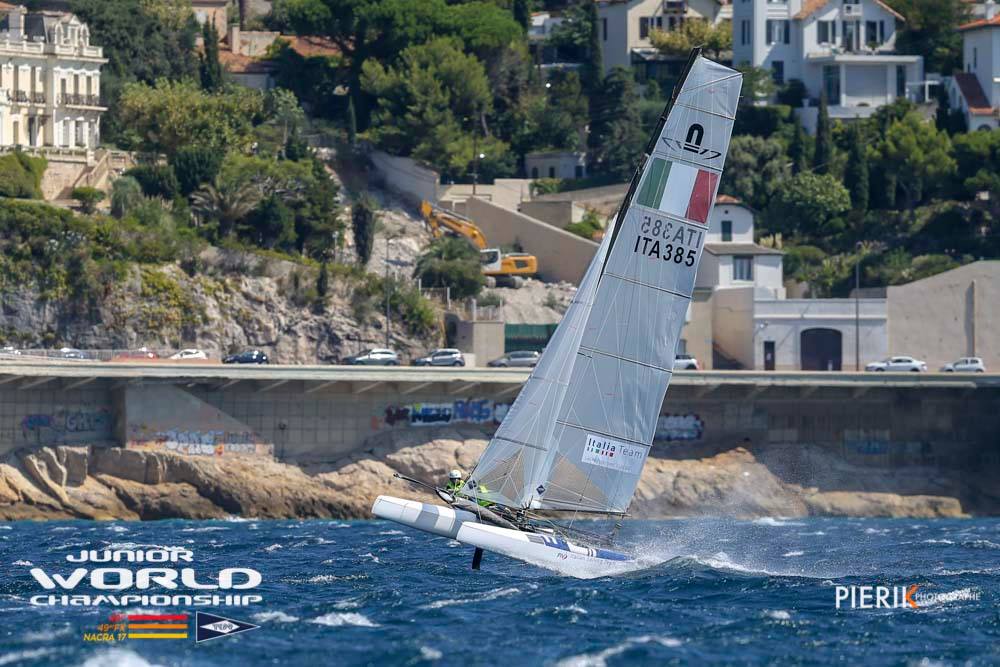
[(50, 80), (844, 48), (555, 164), (976, 90), (740, 318), (625, 27)]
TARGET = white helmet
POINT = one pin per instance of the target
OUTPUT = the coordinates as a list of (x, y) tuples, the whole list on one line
[(455, 474)]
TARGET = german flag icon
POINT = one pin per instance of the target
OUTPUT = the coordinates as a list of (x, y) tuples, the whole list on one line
[(157, 626)]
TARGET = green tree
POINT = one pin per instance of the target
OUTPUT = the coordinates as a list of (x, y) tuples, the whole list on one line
[(88, 198), (593, 67), (856, 171), (431, 105), (225, 203), (283, 110), (918, 153), (616, 135), (363, 223), (170, 115), (823, 153), (156, 180), (210, 67), (143, 42), (271, 225), (798, 147), (755, 169), (126, 194), (451, 262), (758, 85), (930, 30), (694, 32), (522, 13), (323, 280), (808, 206), (572, 35), (195, 165)]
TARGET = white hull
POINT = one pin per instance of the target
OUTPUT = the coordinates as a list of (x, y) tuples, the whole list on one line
[(435, 519), (548, 551)]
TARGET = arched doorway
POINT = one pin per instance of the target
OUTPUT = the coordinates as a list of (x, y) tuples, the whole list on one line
[(820, 349)]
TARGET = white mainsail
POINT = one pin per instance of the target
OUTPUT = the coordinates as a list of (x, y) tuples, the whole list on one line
[(578, 434)]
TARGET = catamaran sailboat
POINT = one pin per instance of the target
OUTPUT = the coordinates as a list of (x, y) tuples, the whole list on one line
[(575, 441)]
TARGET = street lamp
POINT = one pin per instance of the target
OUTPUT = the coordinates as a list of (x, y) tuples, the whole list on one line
[(388, 288), (857, 308)]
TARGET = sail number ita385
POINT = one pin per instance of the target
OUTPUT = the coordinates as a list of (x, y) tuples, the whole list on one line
[(668, 240)]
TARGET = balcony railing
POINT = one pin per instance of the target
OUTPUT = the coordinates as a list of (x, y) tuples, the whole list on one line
[(78, 100), (37, 98)]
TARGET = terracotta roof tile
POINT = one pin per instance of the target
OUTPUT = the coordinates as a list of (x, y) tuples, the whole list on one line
[(728, 199), (975, 98), (810, 7), (310, 46), (981, 23)]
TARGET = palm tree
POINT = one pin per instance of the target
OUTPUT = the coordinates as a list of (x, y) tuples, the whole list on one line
[(227, 202)]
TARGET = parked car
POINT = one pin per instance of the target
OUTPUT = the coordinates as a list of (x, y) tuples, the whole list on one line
[(72, 353), (379, 356), (898, 364), (965, 365), (685, 362), (190, 353), (446, 356), (519, 359), (247, 357), (10, 350)]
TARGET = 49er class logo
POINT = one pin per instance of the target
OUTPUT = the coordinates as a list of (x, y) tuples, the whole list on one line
[(692, 143)]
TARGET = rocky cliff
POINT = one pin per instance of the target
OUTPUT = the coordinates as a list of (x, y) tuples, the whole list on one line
[(112, 483)]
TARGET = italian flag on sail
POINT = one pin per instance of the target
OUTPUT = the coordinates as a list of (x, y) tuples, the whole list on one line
[(678, 189)]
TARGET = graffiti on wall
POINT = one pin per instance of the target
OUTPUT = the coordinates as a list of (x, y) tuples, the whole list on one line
[(200, 442), (679, 427), (67, 425), (474, 411)]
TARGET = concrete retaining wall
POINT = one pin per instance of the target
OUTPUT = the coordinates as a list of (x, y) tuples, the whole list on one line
[(561, 255), (404, 176)]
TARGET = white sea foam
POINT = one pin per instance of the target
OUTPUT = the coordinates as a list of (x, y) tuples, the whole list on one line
[(322, 579), (203, 529), (371, 557), (938, 542), (981, 544), (349, 603), (45, 635), (273, 548), (25, 563), (792, 554), (771, 521), (276, 616), (778, 615), (600, 659), (486, 597), (876, 531), (117, 657), (24, 656), (61, 528), (337, 619), (428, 653), (818, 532), (391, 532)]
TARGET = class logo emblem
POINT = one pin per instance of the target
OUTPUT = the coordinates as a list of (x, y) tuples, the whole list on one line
[(210, 626), (692, 143)]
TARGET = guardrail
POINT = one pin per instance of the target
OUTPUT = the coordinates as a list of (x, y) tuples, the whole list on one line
[(67, 354)]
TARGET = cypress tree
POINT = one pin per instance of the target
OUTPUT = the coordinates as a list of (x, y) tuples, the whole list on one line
[(797, 149), (210, 67), (824, 142), (856, 171), (323, 281), (363, 222), (522, 13), (594, 67)]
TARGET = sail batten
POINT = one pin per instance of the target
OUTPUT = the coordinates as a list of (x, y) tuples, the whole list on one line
[(584, 422)]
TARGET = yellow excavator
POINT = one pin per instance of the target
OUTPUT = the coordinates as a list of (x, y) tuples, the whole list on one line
[(501, 269)]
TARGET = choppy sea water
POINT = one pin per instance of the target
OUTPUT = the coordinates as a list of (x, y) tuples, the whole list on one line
[(359, 593)]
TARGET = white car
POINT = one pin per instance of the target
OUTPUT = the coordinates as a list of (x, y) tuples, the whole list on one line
[(965, 365), (897, 364), (685, 362), (190, 354)]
